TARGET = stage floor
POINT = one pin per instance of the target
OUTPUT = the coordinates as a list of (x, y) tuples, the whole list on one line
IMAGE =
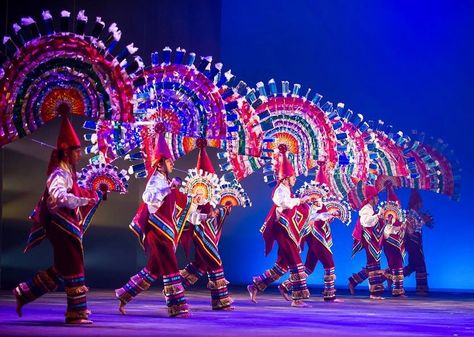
[(440, 314)]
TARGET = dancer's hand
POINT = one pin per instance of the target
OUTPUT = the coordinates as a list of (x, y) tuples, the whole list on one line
[(175, 183)]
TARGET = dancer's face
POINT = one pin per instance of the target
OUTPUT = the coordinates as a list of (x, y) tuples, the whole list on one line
[(169, 165), (165, 166), (74, 155), (291, 181)]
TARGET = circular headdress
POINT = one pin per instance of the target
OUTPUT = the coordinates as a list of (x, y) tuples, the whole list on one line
[(206, 184), (387, 208), (232, 193), (103, 177), (342, 207)]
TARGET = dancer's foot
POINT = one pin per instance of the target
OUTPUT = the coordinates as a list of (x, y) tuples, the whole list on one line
[(121, 307), (182, 315), (252, 292), (19, 304), (421, 293), (299, 304), (351, 288), (283, 292), (401, 296), (373, 297), (333, 300), (80, 321), (228, 308)]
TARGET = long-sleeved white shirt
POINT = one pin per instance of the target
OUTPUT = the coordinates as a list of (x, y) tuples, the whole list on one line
[(368, 218), (157, 188), (59, 185), (283, 200)]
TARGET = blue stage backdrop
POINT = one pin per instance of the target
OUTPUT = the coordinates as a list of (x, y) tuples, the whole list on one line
[(407, 63)]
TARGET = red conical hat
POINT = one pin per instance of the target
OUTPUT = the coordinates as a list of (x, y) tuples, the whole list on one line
[(161, 147), (321, 176), (391, 196), (67, 137), (286, 169), (204, 162), (415, 202), (370, 192)]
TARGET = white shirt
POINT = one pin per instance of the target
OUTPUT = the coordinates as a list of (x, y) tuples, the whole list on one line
[(283, 200), (59, 185), (157, 188), (368, 218)]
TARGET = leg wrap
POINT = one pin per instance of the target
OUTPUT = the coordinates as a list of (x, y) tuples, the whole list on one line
[(397, 279), (287, 286), (220, 297), (40, 284), (359, 277), (271, 275), (137, 283), (190, 274), (329, 291), (174, 293), (76, 298), (376, 278), (421, 282), (299, 289)]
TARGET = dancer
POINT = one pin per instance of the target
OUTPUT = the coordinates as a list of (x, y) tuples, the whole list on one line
[(416, 218), (319, 242), (368, 235), (284, 228), (62, 216), (159, 223), (393, 248), (206, 233)]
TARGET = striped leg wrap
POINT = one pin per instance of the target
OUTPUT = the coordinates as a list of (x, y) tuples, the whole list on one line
[(220, 298), (76, 298), (40, 284), (329, 291), (174, 293), (421, 283), (287, 284), (190, 274), (299, 289), (397, 279), (359, 277), (376, 278), (269, 276), (137, 283)]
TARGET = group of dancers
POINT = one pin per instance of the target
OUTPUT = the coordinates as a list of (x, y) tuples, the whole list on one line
[(168, 217)]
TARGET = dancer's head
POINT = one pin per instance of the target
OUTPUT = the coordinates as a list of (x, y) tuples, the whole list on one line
[(286, 172), (162, 160), (68, 146)]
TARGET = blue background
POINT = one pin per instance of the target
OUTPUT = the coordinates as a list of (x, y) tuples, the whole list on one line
[(407, 63)]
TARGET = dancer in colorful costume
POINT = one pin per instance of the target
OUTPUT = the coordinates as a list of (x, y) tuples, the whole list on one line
[(62, 215), (285, 223), (368, 235), (414, 242), (158, 224), (205, 231), (394, 248), (319, 241)]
